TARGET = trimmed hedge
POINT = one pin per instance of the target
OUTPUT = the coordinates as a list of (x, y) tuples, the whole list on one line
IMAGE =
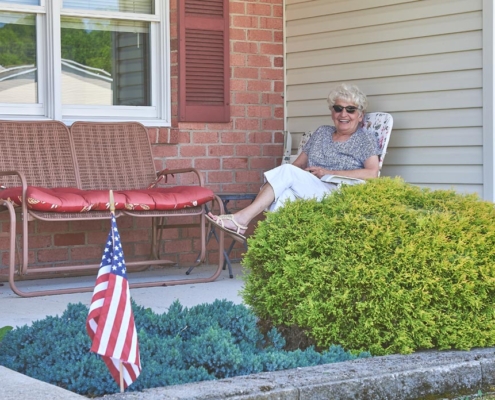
[(205, 342), (385, 267)]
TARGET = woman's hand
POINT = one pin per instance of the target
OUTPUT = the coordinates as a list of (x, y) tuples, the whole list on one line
[(317, 171)]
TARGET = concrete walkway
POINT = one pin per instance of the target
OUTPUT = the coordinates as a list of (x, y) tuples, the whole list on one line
[(432, 375)]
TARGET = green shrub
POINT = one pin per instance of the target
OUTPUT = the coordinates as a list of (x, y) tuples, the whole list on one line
[(385, 267), (205, 342)]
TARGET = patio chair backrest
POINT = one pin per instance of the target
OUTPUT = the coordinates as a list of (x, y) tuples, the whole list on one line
[(379, 123)]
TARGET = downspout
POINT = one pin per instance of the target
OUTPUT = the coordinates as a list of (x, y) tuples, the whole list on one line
[(284, 39), (488, 103)]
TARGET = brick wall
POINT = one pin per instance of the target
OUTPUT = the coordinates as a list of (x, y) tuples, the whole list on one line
[(232, 156)]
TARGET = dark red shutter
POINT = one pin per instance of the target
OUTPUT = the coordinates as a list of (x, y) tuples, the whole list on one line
[(204, 76)]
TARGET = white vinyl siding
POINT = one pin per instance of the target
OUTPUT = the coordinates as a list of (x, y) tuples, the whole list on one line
[(419, 60)]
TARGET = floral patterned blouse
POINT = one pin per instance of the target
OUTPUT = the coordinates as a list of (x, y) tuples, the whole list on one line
[(323, 151)]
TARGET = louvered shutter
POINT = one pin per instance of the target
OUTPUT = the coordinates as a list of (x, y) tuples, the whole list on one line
[(204, 94)]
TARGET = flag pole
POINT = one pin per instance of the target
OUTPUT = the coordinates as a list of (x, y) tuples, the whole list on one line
[(112, 203), (121, 367)]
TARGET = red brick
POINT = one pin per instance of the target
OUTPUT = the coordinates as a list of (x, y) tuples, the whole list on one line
[(206, 163), (248, 150), (219, 151), (278, 87), (279, 112), (246, 47), (247, 98), (248, 73), (153, 134), (192, 126), (273, 150), (238, 85), (259, 111), (45, 226), (233, 137), (263, 163), (273, 124), (135, 235), (178, 164), (270, 48), (259, 61), (244, 21), (247, 176), (259, 9), (205, 137), (271, 23), (278, 11), (86, 253), (260, 137), (237, 34), (97, 237), (220, 126), (247, 124), (238, 60), (235, 163), (278, 36), (273, 74), (237, 111), (178, 246), (170, 233), (69, 239), (219, 176), (237, 7), (259, 86), (90, 225), (164, 150), (271, 98), (260, 35), (278, 62), (193, 151), (51, 255)]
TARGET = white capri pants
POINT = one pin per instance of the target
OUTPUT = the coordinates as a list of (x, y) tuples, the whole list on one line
[(290, 183)]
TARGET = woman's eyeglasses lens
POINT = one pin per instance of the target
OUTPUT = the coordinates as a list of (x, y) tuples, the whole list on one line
[(349, 109)]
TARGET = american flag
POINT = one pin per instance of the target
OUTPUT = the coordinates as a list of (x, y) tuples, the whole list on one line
[(110, 322)]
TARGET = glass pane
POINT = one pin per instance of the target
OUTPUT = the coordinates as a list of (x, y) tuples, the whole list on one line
[(105, 62), (18, 68), (128, 6), (24, 2)]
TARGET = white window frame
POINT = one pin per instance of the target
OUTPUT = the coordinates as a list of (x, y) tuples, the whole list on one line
[(50, 105)]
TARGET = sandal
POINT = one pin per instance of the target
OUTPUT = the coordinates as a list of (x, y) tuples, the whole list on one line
[(229, 217)]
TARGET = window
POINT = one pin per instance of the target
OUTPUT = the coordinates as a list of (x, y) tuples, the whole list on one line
[(85, 60)]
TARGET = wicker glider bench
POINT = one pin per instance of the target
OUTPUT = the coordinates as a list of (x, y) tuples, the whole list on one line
[(49, 172)]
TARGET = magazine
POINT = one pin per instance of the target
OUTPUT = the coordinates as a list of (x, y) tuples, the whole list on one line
[(339, 180)]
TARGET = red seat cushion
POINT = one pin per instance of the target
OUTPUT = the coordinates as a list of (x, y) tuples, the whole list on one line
[(76, 200)]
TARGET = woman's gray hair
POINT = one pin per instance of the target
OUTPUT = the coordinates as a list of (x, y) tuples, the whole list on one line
[(348, 93)]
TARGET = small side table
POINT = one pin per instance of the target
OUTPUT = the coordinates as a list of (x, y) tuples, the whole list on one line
[(226, 197)]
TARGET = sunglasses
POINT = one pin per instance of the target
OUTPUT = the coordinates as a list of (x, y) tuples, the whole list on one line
[(349, 109)]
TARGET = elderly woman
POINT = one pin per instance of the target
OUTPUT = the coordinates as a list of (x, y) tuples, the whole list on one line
[(344, 149)]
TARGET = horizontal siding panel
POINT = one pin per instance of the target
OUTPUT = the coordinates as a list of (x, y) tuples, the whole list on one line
[(401, 102), (398, 31), (470, 155), (437, 100), (471, 136), (411, 120), (455, 42), (306, 20), (377, 69), (427, 174), (477, 189), (327, 7), (454, 80)]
